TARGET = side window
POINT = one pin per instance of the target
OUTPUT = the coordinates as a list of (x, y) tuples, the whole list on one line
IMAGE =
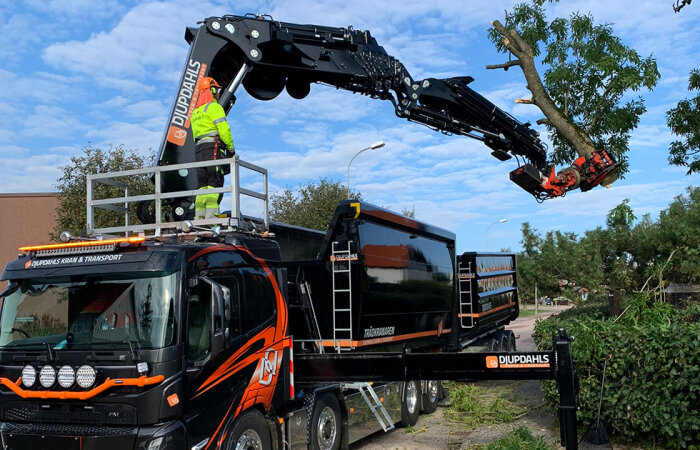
[(198, 322), (259, 303)]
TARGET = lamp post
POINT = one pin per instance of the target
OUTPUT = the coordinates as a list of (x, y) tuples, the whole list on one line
[(487, 231), (374, 146)]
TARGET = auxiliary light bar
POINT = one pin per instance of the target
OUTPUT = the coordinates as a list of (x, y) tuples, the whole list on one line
[(134, 240)]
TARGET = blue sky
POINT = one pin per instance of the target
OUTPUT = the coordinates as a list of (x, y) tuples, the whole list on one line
[(105, 72)]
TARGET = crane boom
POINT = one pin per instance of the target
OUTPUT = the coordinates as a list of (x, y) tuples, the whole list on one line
[(267, 56)]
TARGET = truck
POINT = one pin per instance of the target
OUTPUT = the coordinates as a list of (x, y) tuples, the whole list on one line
[(241, 332)]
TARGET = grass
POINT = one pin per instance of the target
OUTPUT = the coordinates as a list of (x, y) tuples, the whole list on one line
[(473, 405), (520, 439), (414, 430)]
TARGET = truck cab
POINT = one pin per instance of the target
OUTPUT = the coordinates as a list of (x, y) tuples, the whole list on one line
[(107, 345)]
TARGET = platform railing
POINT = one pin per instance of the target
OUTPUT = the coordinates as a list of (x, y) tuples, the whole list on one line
[(121, 204)]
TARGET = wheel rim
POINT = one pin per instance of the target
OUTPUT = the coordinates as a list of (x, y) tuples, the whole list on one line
[(249, 440), (432, 391), (326, 428), (411, 397)]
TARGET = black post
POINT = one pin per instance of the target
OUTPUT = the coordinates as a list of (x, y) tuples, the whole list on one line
[(566, 379)]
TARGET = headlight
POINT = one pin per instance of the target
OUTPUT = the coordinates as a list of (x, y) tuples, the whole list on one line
[(28, 376), (66, 377), (86, 376), (47, 376)]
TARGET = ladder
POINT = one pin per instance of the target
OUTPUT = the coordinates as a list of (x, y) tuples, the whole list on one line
[(342, 295), (466, 312), (310, 313), (375, 405)]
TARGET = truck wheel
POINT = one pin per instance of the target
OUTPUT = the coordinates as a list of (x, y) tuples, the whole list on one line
[(250, 432), (326, 425), (432, 396), (410, 404)]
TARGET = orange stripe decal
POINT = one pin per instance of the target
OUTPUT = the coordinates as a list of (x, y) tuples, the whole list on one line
[(485, 313)]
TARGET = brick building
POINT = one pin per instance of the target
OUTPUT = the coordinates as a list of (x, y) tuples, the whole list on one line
[(25, 219)]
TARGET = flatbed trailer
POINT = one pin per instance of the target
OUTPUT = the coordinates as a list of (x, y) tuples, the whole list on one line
[(202, 338)]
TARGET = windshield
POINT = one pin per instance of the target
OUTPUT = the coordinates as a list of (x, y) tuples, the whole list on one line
[(100, 310)]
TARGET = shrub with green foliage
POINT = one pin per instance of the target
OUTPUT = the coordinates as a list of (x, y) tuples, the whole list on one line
[(652, 379), (520, 439)]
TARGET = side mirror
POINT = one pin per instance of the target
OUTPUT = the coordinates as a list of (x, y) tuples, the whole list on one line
[(220, 315)]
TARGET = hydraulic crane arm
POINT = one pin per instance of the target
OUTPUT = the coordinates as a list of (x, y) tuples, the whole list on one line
[(267, 57)]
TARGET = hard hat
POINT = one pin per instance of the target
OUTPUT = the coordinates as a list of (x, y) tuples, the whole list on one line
[(207, 83)]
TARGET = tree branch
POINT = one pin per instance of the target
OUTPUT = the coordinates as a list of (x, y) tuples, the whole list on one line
[(517, 46), (524, 101), (504, 66), (543, 122)]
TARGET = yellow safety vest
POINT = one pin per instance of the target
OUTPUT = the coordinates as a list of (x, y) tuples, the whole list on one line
[(209, 121)]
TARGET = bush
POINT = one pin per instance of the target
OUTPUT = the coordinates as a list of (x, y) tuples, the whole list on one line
[(652, 380)]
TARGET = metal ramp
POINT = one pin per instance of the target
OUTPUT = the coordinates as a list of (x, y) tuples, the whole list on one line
[(161, 227), (341, 259), (375, 405), (466, 313)]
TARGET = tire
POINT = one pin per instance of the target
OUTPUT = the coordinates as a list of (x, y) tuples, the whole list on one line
[(410, 404), (249, 432), (432, 396), (326, 425), (512, 343), (145, 211), (504, 343)]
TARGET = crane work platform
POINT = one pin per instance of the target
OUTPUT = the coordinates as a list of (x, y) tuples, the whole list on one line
[(167, 219)]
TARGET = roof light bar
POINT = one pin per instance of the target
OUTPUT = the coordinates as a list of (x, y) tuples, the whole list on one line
[(134, 240)]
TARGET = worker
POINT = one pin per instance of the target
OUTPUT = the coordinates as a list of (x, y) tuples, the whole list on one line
[(213, 140)]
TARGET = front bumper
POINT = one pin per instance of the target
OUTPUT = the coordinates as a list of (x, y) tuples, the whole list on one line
[(31, 436)]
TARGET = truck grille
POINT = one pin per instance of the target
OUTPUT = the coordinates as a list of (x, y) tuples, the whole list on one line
[(69, 414), (64, 430)]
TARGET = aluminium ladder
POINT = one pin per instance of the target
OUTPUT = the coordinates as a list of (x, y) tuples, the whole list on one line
[(342, 296), (466, 311), (374, 403)]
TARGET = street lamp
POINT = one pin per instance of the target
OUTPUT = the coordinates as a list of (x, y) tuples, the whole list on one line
[(374, 146), (487, 231)]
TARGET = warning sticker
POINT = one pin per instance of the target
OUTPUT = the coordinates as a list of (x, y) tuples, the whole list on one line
[(518, 361)]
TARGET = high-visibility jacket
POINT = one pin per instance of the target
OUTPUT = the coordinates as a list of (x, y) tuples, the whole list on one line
[(209, 121)]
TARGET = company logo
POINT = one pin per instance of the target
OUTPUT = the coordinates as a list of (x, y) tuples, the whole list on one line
[(521, 361), (28, 264), (351, 257), (268, 367), (177, 135), (185, 102), (173, 400), (377, 332)]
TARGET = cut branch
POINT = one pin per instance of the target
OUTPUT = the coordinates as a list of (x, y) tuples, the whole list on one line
[(519, 48), (525, 101), (543, 122), (504, 66)]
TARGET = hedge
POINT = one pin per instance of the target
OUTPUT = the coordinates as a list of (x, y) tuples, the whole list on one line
[(652, 380)]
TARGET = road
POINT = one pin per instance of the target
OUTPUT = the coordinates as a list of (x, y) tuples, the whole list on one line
[(524, 326)]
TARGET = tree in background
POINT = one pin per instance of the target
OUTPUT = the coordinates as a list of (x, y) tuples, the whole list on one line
[(621, 258), (312, 205), (587, 73), (72, 187), (684, 122)]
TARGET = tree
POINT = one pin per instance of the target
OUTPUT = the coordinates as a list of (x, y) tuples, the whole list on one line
[(72, 187), (684, 121), (588, 70), (312, 205)]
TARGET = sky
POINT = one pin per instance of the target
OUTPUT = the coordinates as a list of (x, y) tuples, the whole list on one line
[(105, 72)]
